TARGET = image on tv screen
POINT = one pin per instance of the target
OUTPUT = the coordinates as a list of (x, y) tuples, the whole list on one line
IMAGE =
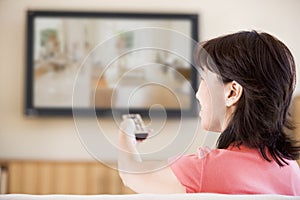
[(67, 48)]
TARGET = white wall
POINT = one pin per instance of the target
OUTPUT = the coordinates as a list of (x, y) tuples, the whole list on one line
[(55, 138)]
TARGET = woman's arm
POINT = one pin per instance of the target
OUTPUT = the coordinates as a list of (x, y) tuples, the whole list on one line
[(143, 176)]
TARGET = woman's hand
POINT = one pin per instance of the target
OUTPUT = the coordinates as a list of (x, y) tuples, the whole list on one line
[(127, 128), (143, 176)]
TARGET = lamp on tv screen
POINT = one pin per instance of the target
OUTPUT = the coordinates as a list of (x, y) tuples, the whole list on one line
[(123, 62)]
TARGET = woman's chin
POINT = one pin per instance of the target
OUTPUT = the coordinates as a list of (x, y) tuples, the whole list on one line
[(207, 126), (204, 126)]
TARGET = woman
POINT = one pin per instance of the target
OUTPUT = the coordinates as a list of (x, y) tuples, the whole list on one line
[(246, 88)]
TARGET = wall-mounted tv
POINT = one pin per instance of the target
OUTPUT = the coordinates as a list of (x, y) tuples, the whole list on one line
[(122, 62)]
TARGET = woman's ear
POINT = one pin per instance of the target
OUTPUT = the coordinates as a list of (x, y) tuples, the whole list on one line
[(233, 93)]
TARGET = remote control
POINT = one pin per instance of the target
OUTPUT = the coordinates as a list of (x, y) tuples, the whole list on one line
[(141, 133)]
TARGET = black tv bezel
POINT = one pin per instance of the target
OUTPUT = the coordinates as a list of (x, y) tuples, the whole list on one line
[(31, 110)]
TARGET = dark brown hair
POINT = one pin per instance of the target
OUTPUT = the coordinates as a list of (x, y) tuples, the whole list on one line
[(265, 68)]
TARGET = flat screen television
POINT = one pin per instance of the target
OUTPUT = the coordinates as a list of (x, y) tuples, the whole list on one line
[(109, 61)]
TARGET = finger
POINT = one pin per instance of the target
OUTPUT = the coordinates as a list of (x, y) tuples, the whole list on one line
[(128, 126)]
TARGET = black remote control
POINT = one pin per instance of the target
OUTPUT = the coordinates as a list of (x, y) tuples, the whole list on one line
[(141, 133)]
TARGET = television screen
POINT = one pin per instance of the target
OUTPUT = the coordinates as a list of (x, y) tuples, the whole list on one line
[(100, 61)]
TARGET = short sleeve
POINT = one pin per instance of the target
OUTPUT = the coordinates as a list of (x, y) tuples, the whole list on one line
[(188, 170)]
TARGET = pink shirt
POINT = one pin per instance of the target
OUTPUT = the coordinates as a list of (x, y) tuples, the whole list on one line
[(235, 171)]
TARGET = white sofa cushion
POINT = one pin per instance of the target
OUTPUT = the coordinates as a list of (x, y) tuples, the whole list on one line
[(195, 196)]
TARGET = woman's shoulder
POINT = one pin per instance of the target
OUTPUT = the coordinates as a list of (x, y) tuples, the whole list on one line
[(231, 155), (240, 156), (204, 151)]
